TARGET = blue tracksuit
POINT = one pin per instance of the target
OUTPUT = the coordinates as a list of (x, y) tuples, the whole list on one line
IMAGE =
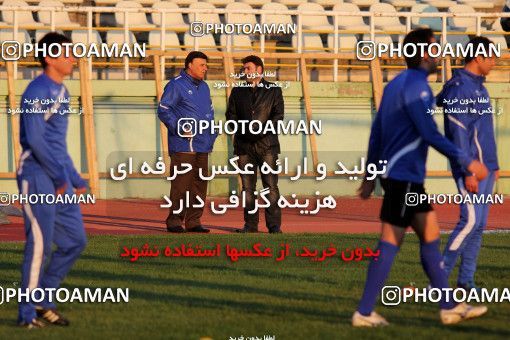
[(464, 99), (44, 166), (190, 99), (403, 130)]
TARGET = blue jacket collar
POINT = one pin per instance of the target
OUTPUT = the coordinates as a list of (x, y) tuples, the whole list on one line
[(463, 73), (419, 71), (185, 74)]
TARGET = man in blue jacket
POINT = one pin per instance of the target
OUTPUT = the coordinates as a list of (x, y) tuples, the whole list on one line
[(401, 133), (468, 122), (46, 168), (185, 102)]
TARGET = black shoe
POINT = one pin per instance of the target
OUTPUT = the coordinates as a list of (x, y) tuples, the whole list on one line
[(275, 230), (198, 229), (176, 229), (35, 323), (246, 230), (52, 316)]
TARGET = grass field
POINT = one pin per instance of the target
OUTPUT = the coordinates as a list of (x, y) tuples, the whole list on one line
[(178, 298)]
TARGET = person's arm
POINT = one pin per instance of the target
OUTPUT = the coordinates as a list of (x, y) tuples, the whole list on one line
[(461, 122), (417, 104), (34, 127), (278, 108), (374, 143), (231, 113), (166, 107)]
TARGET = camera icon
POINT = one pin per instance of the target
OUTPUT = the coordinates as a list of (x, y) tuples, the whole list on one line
[(391, 296), (196, 29), (365, 50), (11, 50), (1, 295), (412, 199), (5, 199), (187, 127)]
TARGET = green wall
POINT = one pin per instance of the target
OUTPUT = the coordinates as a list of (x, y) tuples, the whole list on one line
[(127, 125)]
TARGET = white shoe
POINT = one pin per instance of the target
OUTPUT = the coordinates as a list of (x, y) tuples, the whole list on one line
[(373, 320), (462, 311)]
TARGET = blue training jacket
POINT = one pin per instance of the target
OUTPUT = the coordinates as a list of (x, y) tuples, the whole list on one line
[(403, 129), (186, 97), (43, 131), (468, 119)]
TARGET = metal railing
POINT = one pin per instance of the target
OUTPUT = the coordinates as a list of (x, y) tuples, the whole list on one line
[(336, 15)]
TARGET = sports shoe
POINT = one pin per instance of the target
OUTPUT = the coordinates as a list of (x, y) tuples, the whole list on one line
[(52, 316), (35, 323), (462, 311), (275, 230), (373, 320)]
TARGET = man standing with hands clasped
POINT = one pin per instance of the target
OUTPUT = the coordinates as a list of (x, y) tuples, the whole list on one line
[(185, 102), (261, 101)]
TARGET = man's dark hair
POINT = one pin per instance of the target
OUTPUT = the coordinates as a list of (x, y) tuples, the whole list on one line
[(49, 39), (477, 41), (194, 55), (253, 59), (417, 36)]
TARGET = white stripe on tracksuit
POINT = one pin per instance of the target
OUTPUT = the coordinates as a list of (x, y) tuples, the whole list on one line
[(470, 222), (408, 148), (37, 256)]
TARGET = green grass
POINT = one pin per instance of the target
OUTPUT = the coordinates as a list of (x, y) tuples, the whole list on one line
[(212, 297)]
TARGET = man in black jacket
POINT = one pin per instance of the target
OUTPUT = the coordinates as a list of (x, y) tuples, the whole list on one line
[(260, 101)]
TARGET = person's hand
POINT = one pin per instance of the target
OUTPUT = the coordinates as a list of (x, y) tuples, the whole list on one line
[(496, 175), (61, 189), (478, 170), (80, 191), (366, 189), (471, 184)]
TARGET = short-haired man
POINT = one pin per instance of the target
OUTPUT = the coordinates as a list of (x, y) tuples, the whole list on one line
[(261, 101), (471, 128), (185, 102), (46, 168), (401, 133)]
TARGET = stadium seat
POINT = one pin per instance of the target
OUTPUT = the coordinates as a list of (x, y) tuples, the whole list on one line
[(219, 3), (238, 18), (25, 18), (386, 23), (173, 21), (346, 42), (314, 22), (138, 20), (118, 37), (352, 23), (362, 3), (462, 24), (327, 3), (401, 3), (211, 18), (22, 36), (205, 43), (171, 40), (434, 23), (241, 42), (455, 39), (39, 34), (184, 3), (291, 3), (276, 18), (81, 36), (477, 4), (256, 3), (61, 18), (440, 3), (311, 43)]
